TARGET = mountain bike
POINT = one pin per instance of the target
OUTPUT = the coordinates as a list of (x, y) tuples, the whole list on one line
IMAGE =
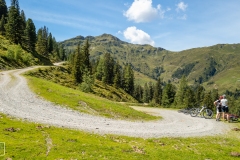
[(204, 112), (186, 110)]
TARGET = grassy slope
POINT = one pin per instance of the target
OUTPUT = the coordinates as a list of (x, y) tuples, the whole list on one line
[(226, 80), (141, 79), (84, 102), (35, 141), (62, 76), (13, 56)]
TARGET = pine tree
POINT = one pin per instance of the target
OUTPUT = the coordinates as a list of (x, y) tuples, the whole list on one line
[(128, 79), (215, 95), (168, 95), (3, 8), (22, 14), (76, 69), (189, 98), (179, 99), (15, 3), (146, 94), (62, 53), (14, 29), (208, 100), (56, 48), (42, 41), (117, 76), (50, 43), (86, 54), (138, 93), (108, 66), (30, 37), (88, 82), (157, 95), (99, 69), (199, 94), (151, 90), (2, 24)]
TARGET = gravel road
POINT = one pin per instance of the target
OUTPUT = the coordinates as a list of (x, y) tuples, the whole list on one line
[(17, 100)]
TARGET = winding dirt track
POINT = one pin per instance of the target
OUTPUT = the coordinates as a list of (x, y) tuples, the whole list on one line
[(17, 100)]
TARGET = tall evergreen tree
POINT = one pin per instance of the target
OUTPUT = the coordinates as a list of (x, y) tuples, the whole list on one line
[(208, 100), (157, 95), (2, 24), (86, 54), (215, 95), (189, 98), (107, 77), (138, 93), (15, 3), (42, 41), (168, 95), (22, 14), (100, 69), (199, 94), (62, 53), (56, 48), (146, 93), (30, 37), (179, 99), (3, 8), (151, 90), (76, 69), (117, 80), (14, 29), (88, 81), (50, 43), (128, 79)]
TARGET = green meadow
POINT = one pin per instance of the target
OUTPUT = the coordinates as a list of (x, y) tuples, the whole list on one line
[(25, 140)]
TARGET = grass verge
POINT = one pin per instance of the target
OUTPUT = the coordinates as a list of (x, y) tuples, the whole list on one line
[(25, 140)]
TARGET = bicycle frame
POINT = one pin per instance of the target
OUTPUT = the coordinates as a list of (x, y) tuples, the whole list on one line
[(201, 110)]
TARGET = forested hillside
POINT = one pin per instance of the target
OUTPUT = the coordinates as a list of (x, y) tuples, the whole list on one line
[(21, 44), (200, 65)]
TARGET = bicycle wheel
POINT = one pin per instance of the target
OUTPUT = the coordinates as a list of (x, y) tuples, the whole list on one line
[(194, 112), (208, 113), (189, 110)]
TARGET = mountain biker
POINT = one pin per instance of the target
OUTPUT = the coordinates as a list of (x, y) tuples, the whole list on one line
[(217, 103), (224, 103)]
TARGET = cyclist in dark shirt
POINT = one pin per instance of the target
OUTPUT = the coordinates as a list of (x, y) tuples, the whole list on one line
[(217, 103)]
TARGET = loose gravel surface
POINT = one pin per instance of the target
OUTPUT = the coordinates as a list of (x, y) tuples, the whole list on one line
[(17, 100)]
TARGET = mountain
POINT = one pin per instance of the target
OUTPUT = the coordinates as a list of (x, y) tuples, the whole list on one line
[(215, 66)]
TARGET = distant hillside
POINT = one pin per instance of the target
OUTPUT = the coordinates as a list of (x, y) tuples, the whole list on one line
[(216, 66)]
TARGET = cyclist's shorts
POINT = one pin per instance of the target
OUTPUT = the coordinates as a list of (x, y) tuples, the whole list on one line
[(219, 109), (225, 109)]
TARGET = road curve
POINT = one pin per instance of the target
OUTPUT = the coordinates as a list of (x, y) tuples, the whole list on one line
[(17, 100)]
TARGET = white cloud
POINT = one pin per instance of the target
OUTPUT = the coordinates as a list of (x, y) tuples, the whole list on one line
[(137, 36), (143, 11), (181, 6)]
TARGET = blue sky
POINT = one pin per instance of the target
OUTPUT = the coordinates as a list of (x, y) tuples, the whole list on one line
[(174, 25)]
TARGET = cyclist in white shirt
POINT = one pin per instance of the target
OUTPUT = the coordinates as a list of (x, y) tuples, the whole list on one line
[(225, 110)]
